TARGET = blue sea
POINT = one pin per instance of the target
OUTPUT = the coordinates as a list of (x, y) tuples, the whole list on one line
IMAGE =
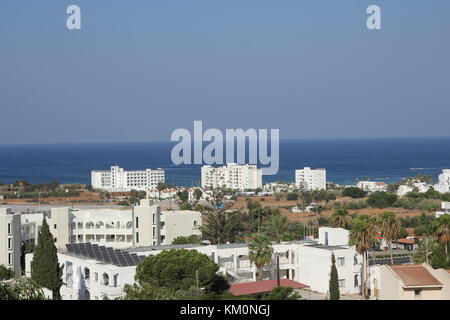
[(345, 160)]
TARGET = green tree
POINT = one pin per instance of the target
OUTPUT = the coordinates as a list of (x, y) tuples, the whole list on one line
[(192, 239), (21, 289), (382, 199), (183, 196), (353, 192), (260, 253), (389, 227), (334, 280), (198, 194), (45, 268), (363, 236), (5, 273), (276, 227), (441, 228), (282, 293), (147, 292), (341, 218), (176, 269), (439, 257)]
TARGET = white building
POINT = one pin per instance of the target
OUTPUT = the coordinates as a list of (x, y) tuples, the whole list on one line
[(118, 179), (10, 240), (233, 176), (311, 179), (372, 186), (144, 225), (445, 209), (419, 186), (308, 262), (443, 185)]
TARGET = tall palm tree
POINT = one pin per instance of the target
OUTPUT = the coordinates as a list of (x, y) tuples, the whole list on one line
[(260, 253), (441, 228), (363, 237), (275, 227), (340, 218), (389, 227)]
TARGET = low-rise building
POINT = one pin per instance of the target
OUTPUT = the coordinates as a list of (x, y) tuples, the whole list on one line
[(411, 282), (445, 206), (91, 275), (372, 186)]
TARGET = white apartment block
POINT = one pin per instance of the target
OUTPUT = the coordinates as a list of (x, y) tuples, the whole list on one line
[(144, 225), (10, 240), (311, 179), (372, 186), (117, 179), (308, 262), (443, 185), (233, 176)]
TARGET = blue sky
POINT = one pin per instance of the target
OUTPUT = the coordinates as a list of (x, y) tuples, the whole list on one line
[(139, 69)]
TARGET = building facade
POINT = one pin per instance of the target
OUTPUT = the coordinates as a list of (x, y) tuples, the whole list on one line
[(372, 186), (117, 179), (445, 206), (144, 225), (10, 240), (233, 176), (311, 179), (308, 262), (443, 184)]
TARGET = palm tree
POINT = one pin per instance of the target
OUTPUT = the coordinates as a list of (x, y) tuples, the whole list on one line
[(441, 228), (275, 227), (340, 218), (260, 253), (390, 229), (363, 237)]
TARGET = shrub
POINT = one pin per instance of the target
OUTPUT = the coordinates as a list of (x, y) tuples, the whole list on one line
[(353, 192)]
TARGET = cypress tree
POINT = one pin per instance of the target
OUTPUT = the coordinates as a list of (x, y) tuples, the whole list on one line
[(45, 269), (334, 284)]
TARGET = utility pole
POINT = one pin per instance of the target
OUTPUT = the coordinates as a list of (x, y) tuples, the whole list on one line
[(196, 282)]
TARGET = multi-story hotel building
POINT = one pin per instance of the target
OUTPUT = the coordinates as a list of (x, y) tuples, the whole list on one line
[(309, 262), (118, 179), (311, 179), (233, 176), (10, 240), (444, 182), (144, 225)]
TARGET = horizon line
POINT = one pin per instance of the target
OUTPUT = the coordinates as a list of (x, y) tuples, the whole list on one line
[(168, 141)]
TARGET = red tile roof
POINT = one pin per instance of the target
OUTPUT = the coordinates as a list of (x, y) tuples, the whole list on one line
[(258, 287), (415, 276), (405, 241)]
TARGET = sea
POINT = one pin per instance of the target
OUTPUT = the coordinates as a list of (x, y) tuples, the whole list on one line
[(346, 160)]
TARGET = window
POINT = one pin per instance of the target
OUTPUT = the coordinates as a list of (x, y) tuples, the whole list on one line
[(195, 222), (137, 222), (137, 236), (9, 228), (10, 258), (9, 243), (417, 293), (341, 261), (87, 273), (154, 232), (326, 238), (54, 226), (105, 279), (341, 283)]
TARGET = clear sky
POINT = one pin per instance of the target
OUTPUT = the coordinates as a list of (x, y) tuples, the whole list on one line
[(139, 69)]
